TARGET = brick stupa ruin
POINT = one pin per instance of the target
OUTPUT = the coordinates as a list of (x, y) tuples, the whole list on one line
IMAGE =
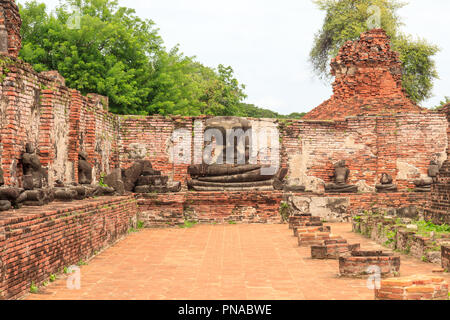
[(368, 81)]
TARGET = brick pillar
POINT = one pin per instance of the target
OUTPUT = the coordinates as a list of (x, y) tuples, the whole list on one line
[(11, 148), (76, 102), (45, 147), (10, 24)]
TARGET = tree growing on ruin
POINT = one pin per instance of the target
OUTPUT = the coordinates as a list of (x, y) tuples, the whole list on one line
[(346, 19)]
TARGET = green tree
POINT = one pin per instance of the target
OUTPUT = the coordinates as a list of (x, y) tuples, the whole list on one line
[(117, 54), (109, 54), (347, 19), (443, 103)]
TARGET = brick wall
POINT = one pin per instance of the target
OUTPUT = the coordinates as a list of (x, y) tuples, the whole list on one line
[(210, 207), (439, 206), (60, 122), (10, 23), (35, 243), (446, 258), (162, 210), (419, 287), (401, 145)]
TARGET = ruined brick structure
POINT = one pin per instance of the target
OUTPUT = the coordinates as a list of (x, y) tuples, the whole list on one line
[(439, 208), (419, 287), (368, 81), (10, 23), (61, 123), (368, 122)]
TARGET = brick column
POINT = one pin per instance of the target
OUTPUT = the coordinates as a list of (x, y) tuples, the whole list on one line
[(76, 102)]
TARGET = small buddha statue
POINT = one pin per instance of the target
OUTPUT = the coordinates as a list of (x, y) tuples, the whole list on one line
[(340, 177), (386, 184)]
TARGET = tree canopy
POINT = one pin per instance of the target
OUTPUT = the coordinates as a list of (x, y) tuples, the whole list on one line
[(111, 51), (347, 19)]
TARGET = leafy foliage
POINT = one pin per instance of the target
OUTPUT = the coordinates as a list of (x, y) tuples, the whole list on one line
[(346, 19), (443, 103), (252, 111), (117, 54)]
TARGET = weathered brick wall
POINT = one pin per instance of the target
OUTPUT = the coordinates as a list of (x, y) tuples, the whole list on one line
[(210, 207), (10, 23), (418, 287), (341, 207), (439, 207), (446, 258), (60, 122), (401, 145), (154, 136), (161, 210), (36, 243)]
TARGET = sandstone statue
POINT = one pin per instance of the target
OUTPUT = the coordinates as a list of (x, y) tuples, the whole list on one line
[(424, 184), (5, 204), (229, 168), (35, 179), (152, 181), (340, 177), (33, 172), (84, 169), (386, 184)]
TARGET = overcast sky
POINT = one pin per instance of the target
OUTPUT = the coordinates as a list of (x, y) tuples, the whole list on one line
[(268, 42)]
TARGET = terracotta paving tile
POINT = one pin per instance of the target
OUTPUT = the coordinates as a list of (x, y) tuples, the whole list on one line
[(255, 262)]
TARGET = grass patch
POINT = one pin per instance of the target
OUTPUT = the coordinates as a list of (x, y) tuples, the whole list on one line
[(188, 224), (34, 288)]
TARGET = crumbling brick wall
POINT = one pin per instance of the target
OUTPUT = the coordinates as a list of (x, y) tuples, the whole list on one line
[(439, 207), (60, 122), (10, 23), (38, 242), (401, 145)]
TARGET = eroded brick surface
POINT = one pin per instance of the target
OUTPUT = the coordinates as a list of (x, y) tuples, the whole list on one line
[(38, 242), (418, 287), (368, 81)]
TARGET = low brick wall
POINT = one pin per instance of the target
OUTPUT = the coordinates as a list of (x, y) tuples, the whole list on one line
[(341, 207), (333, 250), (159, 210), (310, 229), (413, 288), (38, 242), (386, 232), (446, 258)]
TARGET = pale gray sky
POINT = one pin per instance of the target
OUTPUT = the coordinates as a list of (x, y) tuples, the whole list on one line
[(268, 42)]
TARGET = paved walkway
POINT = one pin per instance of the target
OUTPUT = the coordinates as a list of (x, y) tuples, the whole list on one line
[(254, 262)]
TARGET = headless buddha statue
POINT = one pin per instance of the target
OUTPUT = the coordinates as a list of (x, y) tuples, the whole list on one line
[(228, 167), (424, 184), (340, 177), (386, 184)]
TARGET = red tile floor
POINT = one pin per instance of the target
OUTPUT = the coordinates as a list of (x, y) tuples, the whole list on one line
[(219, 262)]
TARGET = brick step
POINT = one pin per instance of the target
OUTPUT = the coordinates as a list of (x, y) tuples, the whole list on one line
[(333, 251), (303, 230), (315, 239)]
